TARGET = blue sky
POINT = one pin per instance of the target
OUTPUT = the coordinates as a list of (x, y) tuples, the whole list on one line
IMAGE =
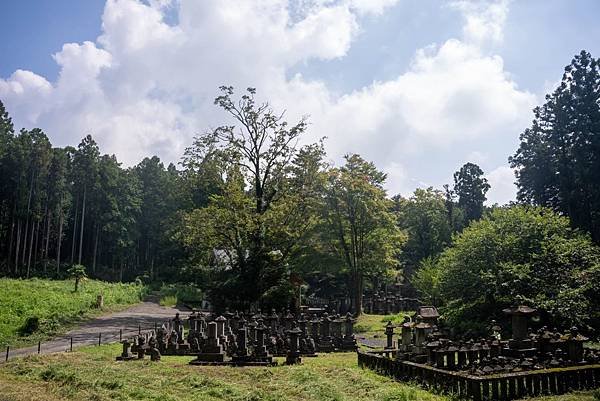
[(419, 87)]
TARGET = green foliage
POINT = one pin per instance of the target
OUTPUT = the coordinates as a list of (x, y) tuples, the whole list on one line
[(470, 186), (427, 281), (168, 300), (243, 238), (187, 294), (77, 273), (424, 217), (558, 160), (54, 306), (359, 224), (520, 255)]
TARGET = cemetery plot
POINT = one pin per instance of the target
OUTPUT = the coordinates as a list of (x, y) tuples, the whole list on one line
[(528, 364), (231, 339)]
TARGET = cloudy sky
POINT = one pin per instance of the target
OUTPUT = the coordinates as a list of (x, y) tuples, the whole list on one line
[(418, 87)]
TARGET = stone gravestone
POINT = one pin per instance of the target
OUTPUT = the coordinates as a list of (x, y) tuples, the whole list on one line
[(349, 341), (260, 350), (389, 333), (325, 344), (241, 353), (126, 354), (213, 350), (178, 327), (293, 354)]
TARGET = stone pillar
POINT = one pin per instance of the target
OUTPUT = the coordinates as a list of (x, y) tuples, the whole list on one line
[(293, 354), (389, 332)]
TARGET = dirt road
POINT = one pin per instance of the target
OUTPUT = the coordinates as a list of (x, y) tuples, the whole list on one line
[(144, 314)]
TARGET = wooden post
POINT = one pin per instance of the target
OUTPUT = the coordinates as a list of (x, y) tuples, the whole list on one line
[(120, 335), (39, 347), (71, 346), (99, 339), (139, 329), (7, 350)]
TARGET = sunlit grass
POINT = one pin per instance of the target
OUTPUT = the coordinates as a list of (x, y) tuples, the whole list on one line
[(55, 305), (93, 374)]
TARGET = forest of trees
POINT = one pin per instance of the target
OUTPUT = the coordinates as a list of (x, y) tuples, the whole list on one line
[(251, 216)]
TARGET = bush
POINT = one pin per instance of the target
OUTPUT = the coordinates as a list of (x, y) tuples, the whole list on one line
[(519, 255), (169, 300), (183, 293), (31, 325)]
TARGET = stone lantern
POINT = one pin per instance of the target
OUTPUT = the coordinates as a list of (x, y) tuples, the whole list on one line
[(575, 345), (293, 354), (389, 332), (420, 335), (520, 345)]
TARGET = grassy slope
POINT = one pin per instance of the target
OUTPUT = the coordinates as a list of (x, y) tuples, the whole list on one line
[(55, 304), (93, 374)]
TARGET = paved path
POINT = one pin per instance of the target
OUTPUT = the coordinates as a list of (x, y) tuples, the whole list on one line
[(145, 314)]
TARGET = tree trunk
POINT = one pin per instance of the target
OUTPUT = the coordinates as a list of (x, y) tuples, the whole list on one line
[(74, 234), (36, 247), (17, 247), (59, 240), (97, 234), (24, 252), (27, 223), (30, 249), (82, 223), (48, 221), (357, 293), (10, 244)]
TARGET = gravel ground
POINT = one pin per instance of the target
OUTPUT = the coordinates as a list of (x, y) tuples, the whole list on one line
[(144, 314)]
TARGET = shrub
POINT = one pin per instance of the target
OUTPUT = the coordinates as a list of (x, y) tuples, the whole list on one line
[(519, 255)]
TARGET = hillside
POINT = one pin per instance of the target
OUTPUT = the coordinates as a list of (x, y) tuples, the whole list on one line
[(55, 306)]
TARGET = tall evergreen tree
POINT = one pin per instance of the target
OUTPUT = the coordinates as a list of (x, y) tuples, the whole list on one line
[(470, 186), (558, 160)]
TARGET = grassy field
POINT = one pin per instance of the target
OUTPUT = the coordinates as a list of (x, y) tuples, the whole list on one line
[(55, 306), (91, 373)]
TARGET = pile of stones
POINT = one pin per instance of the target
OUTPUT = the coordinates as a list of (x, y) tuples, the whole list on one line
[(248, 340)]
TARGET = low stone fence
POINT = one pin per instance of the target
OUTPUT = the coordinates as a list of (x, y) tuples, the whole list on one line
[(506, 386)]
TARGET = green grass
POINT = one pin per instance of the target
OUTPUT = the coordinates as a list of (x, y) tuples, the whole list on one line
[(173, 294), (93, 374), (373, 326), (55, 305), (168, 300)]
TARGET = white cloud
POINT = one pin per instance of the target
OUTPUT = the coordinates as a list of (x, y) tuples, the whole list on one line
[(484, 19), (502, 186), (146, 86)]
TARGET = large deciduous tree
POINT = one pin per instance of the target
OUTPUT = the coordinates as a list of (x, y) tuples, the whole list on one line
[(363, 230), (260, 206)]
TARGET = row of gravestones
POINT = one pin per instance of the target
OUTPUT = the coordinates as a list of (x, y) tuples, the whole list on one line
[(231, 339), (422, 342)]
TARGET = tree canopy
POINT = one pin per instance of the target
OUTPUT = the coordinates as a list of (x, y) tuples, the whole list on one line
[(518, 254)]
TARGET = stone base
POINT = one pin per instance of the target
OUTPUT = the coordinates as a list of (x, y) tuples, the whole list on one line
[(293, 359), (325, 346), (210, 357), (520, 353)]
